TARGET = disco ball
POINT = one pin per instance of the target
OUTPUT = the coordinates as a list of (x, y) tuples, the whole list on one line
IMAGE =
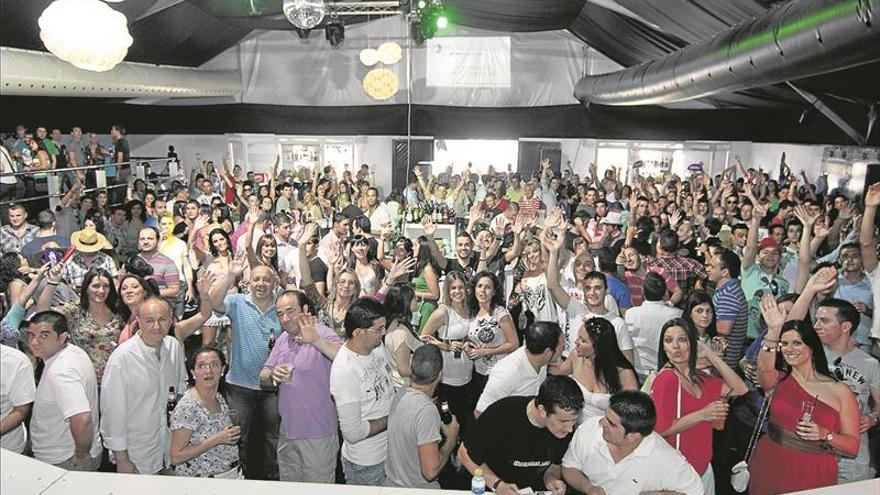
[(304, 14)]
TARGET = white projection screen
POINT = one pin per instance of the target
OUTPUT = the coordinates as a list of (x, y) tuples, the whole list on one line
[(469, 62)]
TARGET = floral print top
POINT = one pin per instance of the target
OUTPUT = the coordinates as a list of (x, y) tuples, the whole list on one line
[(98, 341), (192, 415)]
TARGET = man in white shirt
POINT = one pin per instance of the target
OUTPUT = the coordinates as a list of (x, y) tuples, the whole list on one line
[(360, 382), (208, 194), (17, 392), (644, 323), (523, 371), (64, 428), (134, 392), (620, 453)]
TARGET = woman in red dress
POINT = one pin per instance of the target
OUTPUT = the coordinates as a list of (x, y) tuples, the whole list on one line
[(688, 401), (812, 416)]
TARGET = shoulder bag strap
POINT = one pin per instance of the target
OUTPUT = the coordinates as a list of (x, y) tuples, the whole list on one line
[(759, 423)]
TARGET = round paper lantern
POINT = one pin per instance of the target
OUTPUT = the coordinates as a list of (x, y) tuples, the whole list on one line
[(369, 57), (87, 33), (390, 53), (381, 84)]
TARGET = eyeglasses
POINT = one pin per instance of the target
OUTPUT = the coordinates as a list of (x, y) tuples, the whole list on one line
[(379, 330), (161, 321), (213, 365)]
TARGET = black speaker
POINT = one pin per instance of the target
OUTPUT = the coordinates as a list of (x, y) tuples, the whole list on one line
[(406, 154), (532, 152)]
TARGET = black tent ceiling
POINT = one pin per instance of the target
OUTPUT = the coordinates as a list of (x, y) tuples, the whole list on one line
[(190, 33)]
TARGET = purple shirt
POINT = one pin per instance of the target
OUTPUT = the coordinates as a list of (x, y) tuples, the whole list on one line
[(304, 402)]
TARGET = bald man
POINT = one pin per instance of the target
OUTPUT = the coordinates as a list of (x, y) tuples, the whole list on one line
[(134, 392), (253, 318)]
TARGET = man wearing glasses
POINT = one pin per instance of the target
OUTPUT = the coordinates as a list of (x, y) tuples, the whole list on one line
[(360, 382)]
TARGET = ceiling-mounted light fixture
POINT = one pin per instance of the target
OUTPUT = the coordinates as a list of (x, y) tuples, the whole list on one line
[(304, 14), (87, 33)]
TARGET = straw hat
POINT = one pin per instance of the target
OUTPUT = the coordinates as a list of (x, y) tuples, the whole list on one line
[(88, 241)]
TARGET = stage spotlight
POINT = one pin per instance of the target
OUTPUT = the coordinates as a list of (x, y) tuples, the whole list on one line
[(334, 31), (417, 32), (441, 21)]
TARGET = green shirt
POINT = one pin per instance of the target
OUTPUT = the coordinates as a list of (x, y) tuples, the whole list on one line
[(753, 279)]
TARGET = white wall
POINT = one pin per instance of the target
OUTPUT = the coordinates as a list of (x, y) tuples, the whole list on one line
[(377, 152), (797, 156)]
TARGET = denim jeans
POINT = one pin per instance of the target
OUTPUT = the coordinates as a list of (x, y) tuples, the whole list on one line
[(363, 475), (248, 403)]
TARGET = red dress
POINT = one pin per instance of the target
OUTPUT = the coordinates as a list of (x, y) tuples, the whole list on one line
[(778, 469), (695, 443)]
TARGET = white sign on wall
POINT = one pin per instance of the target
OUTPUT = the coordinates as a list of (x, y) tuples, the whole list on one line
[(469, 62)]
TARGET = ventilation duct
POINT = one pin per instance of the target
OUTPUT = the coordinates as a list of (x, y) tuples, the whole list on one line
[(33, 73), (799, 39)]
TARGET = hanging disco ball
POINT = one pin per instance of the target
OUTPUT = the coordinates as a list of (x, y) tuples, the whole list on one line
[(304, 14)]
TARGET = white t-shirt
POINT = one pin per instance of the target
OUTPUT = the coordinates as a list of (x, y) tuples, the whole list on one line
[(874, 277), (567, 316), (16, 389), (457, 369), (653, 466), (485, 331), (579, 309), (511, 376), (644, 324), (365, 380), (68, 387)]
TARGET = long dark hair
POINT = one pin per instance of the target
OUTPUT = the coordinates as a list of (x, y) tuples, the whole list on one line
[(131, 204), (112, 294), (810, 338), (425, 257), (150, 290), (691, 332), (9, 265), (372, 260), (497, 299), (607, 356), (213, 250), (398, 303), (697, 298), (273, 263)]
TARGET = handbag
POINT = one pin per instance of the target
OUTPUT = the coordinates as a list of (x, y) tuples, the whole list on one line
[(739, 474)]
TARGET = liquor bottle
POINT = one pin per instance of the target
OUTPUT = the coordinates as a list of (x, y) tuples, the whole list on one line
[(170, 405), (271, 340)]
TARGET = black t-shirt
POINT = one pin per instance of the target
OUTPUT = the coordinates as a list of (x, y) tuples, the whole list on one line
[(352, 212), (513, 448), (318, 269), (452, 265), (121, 146)]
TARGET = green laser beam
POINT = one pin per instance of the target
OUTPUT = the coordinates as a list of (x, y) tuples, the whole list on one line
[(790, 28)]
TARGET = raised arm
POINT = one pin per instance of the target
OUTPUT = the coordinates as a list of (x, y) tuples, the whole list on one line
[(187, 327), (866, 232), (774, 317), (430, 231), (554, 245), (751, 250)]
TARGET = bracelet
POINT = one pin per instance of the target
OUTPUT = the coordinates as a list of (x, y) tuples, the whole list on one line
[(495, 485), (52, 283), (767, 348)]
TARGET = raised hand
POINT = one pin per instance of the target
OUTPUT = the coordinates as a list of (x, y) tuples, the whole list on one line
[(773, 314), (872, 195), (554, 219), (308, 334), (401, 268), (823, 280), (54, 277), (308, 232), (821, 229), (802, 213), (205, 282), (237, 265), (429, 226), (759, 210), (675, 218)]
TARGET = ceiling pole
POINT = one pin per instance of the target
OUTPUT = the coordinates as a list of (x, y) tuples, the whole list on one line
[(831, 114)]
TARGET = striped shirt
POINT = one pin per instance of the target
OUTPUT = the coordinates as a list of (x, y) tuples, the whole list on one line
[(730, 305), (164, 270), (250, 339)]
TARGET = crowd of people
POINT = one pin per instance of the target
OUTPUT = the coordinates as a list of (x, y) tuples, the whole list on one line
[(596, 334)]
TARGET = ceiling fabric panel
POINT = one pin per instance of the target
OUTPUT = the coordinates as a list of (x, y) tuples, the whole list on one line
[(625, 41), (515, 15), (692, 20)]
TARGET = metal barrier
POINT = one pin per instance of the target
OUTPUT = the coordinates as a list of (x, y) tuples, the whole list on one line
[(54, 179)]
